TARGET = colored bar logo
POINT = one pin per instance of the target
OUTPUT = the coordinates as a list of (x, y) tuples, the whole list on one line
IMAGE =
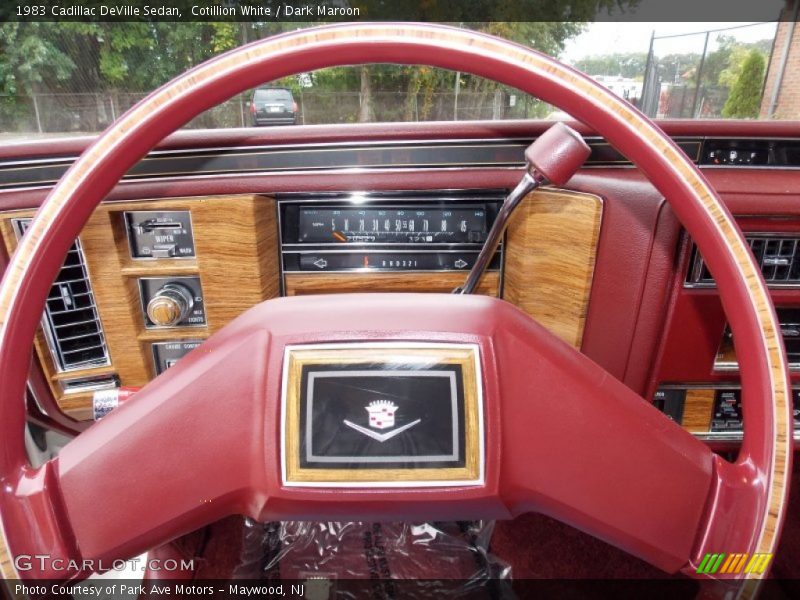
[(734, 564)]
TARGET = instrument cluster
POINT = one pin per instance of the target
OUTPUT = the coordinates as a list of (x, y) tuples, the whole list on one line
[(386, 232)]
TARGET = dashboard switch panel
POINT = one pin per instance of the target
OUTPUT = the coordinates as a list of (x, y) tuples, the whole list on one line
[(711, 412), (160, 234), (671, 403), (166, 354), (172, 302), (727, 413)]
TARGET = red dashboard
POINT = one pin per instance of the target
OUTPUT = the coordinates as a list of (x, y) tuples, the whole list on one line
[(643, 323)]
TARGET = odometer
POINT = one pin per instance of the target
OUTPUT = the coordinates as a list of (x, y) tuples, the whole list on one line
[(392, 225)]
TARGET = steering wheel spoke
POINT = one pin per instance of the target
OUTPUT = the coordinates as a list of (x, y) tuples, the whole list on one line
[(580, 446), (185, 452), (563, 438)]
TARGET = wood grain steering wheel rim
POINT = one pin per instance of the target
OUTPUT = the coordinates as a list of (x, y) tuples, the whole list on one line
[(744, 510)]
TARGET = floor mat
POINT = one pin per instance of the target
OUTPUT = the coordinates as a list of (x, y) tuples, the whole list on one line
[(539, 547), (534, 545)]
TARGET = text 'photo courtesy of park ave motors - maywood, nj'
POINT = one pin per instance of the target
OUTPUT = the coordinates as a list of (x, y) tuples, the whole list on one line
[(128, 589), (144, 10)]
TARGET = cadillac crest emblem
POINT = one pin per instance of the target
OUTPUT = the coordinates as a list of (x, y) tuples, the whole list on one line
[(381, 414)]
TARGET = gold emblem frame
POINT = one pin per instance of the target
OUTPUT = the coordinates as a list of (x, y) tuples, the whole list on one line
[(467, 356)]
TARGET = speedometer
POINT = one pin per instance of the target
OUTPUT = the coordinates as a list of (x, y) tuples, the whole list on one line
[(393, 225)]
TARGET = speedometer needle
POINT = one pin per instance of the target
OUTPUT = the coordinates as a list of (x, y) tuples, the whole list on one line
[(339, 236)]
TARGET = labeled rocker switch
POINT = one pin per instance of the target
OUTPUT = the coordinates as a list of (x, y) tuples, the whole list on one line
[(167, 354), (160, 234)]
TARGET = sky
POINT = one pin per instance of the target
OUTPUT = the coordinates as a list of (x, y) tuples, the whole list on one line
[(608, 38), (628, 29)]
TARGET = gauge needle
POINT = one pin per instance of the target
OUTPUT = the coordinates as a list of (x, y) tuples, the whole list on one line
[(339, 236)]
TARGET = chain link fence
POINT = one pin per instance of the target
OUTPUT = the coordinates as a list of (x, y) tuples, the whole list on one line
[(92, 112), (690, 75), (679, 102)]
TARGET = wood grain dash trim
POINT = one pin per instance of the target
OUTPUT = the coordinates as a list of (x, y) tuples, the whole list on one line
[(298, 284), (236, 243), (550, 251), (697, 409)]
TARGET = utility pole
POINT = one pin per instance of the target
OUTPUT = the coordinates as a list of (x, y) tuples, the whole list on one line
[(36, 112), (455, 100), (699, 76), (646, 91), (243, 99)]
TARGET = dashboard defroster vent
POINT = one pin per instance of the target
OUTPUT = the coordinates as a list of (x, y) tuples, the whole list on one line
[(70, 321), (777, 255)]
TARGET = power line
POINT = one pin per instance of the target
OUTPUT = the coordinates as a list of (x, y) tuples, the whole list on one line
[(707, 31)]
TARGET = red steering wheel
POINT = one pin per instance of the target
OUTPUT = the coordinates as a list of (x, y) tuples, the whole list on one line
[(561, 436)]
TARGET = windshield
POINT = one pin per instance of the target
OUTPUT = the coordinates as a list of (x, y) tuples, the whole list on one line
[(70, 78)]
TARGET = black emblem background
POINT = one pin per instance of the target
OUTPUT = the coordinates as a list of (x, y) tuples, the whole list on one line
[(416, 397)]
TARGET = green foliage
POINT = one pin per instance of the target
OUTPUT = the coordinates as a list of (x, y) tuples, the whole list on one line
[(728, 76), (29, 58), (119, 47), (723, 65), (421, 86), (119, 58), (676, 68), (745, 98), (98, 57), (627, 64)]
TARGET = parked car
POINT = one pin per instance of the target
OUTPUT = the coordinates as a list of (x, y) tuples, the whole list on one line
[(273, 106)]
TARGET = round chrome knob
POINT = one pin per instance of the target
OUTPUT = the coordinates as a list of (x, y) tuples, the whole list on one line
[(170, 305)]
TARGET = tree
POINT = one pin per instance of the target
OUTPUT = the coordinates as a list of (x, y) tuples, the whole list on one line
[(30, 58), (365, 113), (745, 98), (29, 62), (627, 64), (80, 59), (97, 57), (119, 61), (728, 76), (548, 37)]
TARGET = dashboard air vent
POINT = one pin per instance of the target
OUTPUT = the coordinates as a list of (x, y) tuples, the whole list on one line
[(70, 321), (777, 255)]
